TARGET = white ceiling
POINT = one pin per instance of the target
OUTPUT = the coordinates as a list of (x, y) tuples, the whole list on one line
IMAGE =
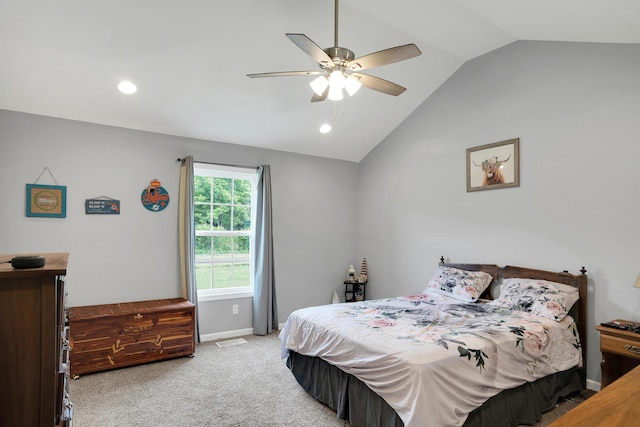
[(189, 59)]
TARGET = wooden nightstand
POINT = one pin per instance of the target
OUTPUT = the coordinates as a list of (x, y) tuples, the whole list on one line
[(620, 351)]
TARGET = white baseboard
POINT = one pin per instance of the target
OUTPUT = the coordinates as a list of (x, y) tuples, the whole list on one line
[(230, 334), (593, 385)]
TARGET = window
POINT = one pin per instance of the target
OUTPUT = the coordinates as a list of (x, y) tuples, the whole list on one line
[(224, 211)]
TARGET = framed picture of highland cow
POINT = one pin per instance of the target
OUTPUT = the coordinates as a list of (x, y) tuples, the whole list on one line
[(493, 166)]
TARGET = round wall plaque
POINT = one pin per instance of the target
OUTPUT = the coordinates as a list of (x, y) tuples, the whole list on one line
[(155, 198)]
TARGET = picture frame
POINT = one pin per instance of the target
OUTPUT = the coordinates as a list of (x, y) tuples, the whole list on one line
[(494, 166), (46, 201)]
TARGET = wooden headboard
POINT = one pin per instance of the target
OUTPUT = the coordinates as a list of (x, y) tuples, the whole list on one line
[(578, 311)]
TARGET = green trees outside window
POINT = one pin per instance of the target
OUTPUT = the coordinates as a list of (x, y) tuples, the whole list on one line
[(222, 209)]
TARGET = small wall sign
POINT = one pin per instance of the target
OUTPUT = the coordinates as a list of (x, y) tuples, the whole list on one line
[(102, 206), (155, 198)]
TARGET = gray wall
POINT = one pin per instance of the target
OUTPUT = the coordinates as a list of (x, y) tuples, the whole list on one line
[(575, 108), (134, 256)]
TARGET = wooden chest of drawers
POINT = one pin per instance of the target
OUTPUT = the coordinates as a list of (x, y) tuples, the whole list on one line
[(33, 344), (117, 335)]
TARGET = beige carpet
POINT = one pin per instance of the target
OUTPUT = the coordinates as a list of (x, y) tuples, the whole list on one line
[(242, 385)]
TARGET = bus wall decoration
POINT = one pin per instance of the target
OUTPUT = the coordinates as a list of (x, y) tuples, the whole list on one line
[(155, 198)]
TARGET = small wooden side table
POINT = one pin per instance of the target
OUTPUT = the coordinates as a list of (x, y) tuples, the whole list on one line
[(620, 351)]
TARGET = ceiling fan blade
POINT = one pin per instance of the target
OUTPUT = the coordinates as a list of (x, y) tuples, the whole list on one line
[(380, 85), (318, 98), (286, 73), (311, 49), (384, 57)]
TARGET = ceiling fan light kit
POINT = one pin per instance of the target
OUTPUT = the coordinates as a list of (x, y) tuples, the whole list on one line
[(336, 84), (319, 85), (352, 85), (340, 69)]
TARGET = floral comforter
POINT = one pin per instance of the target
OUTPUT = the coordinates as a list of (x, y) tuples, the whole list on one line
[(431, 358)]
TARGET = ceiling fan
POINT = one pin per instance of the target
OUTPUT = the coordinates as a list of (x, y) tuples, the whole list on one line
[(340, 69)]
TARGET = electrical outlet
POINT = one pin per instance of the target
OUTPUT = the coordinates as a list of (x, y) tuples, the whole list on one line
[(234, 308)]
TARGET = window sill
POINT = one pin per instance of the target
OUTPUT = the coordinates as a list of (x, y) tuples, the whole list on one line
[(221, 296)]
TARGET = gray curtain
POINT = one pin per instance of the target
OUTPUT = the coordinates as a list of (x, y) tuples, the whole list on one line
[(186, 233), (265, 311)]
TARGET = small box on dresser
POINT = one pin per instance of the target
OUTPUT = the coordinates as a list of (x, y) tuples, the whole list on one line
[(117, 335)]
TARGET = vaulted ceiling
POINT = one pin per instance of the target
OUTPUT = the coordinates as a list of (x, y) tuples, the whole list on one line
[(190, 59)]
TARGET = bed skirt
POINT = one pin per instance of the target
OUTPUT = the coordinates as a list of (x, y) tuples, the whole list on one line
[(354, 401)]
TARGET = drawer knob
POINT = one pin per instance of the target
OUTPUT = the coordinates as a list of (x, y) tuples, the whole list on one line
[(138, 316), (632, 348)]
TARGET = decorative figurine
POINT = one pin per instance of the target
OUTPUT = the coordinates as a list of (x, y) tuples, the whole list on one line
[(335, 299), (363, 272), (351, 274)]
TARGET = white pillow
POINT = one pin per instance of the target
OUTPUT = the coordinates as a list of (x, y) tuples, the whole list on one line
[(541, 297), (460, 284)]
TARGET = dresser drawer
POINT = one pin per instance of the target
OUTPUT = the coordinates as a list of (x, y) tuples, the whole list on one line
[(623, 346)]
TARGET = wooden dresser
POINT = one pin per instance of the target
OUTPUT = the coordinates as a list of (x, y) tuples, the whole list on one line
[(34, 351), (614, 406), (116, 335)]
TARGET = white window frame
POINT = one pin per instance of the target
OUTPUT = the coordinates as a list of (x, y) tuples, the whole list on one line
[(236, 172)]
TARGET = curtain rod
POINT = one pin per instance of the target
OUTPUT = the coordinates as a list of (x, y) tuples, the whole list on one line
[(221, 164)]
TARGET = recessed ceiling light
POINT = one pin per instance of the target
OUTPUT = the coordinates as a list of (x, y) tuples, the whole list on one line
[(127, 87), (325, 128)]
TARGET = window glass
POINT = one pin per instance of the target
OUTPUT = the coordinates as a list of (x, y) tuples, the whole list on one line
[(242, 192), (224, 200), (202, 213), (202, 189), (242, 218), (222, 190)]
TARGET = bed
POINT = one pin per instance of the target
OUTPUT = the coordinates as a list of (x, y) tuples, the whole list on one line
[(482, 345)]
